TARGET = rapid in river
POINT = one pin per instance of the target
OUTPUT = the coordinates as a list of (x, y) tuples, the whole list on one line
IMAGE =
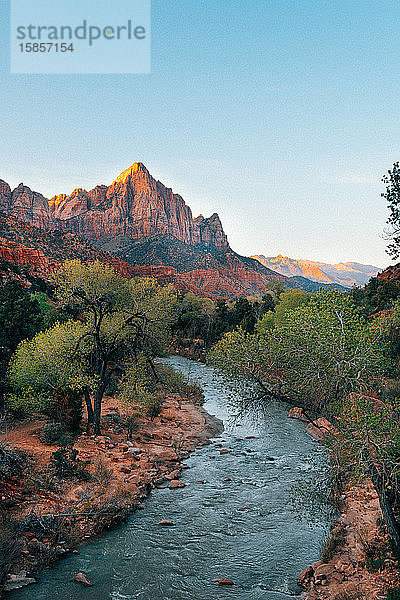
[(238, 524)]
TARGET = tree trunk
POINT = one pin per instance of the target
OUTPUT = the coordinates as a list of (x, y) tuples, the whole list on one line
[(386, 506), (89, 409), (105, 376), (98, 397)]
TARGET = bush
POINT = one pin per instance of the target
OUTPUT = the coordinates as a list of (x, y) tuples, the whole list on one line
[(375, 555), (10, 545), (153, 407), (131, 424), (336, 540), (393, 594), (12, 463), (54, 433), (67, 465), (175, 382), (103, 474)]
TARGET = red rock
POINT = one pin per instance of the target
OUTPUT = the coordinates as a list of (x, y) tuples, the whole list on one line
[(297, 413), (320, 428), (136, 206), (173, 475), (165, 523), (305, 577), (224, 451), (225, 581), (124, 469), (175, 483), (82, 579)]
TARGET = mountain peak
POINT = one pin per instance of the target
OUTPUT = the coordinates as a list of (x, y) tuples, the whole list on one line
[(137, 167)]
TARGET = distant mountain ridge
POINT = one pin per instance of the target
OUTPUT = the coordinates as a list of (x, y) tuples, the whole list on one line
[(143, 223), (346, 274)]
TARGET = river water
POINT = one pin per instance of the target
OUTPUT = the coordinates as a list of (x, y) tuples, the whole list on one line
[(243, 529)]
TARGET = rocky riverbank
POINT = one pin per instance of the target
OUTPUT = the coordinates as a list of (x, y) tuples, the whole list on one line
[(51, 517), (357, 562)]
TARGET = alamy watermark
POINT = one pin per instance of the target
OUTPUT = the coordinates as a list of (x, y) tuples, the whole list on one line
[(52, 36)]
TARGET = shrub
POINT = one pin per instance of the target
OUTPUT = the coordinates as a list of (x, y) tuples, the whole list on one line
[(103, 474), (336, 540), (10, 545), (153, 407), (67, 465), (131, 424), (54, 433), (393, 594), (375, 555), (12, 463), (175, 382)]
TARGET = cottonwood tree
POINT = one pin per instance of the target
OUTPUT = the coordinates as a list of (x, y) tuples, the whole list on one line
[(52, 367), (320, 352), (118, 321)]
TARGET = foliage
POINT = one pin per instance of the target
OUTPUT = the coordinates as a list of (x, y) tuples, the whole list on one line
[(20, 318), (54, 433), (154, 406), (393, 594), (66, 464), (117, 319), (50, 314), (321, 351), (124, 318), (176, 383), (334, 542), (392, 196), (52, 360), (201, 318), (138, 386), (12, 462), (377, 295), (367, 427)]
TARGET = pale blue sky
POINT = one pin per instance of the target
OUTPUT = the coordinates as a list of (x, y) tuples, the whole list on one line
[(279, 115)]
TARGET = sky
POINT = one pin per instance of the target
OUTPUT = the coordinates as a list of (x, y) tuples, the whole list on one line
[(279, 115)]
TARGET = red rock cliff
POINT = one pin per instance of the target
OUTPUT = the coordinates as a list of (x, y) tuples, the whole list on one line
[(134, 205)]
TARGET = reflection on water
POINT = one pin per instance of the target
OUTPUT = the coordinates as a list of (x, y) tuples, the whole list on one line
[(236, 524)]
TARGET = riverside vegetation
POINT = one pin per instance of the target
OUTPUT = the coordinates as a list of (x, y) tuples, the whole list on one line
[(91, 334)]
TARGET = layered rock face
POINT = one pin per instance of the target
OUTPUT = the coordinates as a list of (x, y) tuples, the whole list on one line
[(25, 204), (137, 219), (134, 205)]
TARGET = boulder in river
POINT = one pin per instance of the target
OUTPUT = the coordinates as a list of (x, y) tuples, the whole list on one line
[(175, 483), (82, 579), (15, 582), (225, 581)]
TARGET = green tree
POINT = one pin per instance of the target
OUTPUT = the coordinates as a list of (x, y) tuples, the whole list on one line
[(320, 352), (120, 320), (51, 368), (20, 318)]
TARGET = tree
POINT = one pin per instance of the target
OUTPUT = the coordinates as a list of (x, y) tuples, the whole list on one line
[(366, 442), (119, 321), (319, 353), (392, 196), (20, 318), (51, 368)]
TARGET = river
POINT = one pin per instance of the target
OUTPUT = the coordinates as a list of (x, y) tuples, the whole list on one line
[(237, 524)]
